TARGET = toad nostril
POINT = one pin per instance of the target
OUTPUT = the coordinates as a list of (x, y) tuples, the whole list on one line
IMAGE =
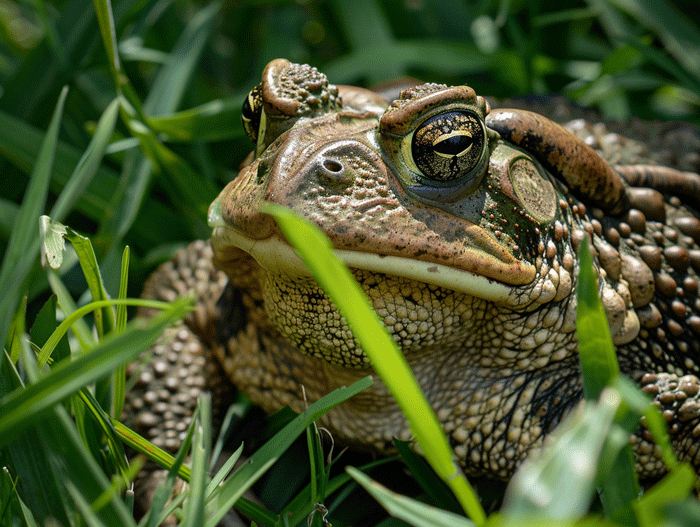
[(332, 172), (332, 166)]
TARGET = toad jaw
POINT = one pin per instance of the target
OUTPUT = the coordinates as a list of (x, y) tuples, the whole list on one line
[(275, 255)]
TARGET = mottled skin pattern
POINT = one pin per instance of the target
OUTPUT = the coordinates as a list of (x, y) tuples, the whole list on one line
[(466, 245)]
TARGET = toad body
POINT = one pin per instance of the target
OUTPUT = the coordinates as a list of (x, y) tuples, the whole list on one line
[(462, 226)]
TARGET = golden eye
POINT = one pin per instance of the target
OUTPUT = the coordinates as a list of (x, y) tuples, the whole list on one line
[(448, 146), (251, 112)]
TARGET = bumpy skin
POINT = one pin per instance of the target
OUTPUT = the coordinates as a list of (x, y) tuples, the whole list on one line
[(462, 227)]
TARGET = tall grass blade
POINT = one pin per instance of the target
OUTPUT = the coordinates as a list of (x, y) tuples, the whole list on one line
[(409, 510), (596, 349), (389, 363), (23, 247), (21, 408), (600, 369), (266, 455), (88, 165)]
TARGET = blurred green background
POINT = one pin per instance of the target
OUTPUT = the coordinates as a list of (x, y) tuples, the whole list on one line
[(623, 57)]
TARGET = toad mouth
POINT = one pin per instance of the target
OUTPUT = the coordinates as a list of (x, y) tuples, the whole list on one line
[(275, 255)]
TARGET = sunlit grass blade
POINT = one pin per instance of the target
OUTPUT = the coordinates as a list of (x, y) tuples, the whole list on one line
[(560, 482), (600, 369), (409, 510), (70, 320), (596, 349), (23, 247), (336, 280)]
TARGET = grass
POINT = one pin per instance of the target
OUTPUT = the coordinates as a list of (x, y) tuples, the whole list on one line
[(124, 125)]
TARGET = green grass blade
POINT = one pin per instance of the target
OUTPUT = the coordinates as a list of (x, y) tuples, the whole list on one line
[(559, 483), (319, 474), (118, 383), (426, 477), (600, 369), (105, 19), (109, 434), (152, 452), (74, 463), (88, 165), (409, 510), (80, 328), (680, 35), (26, 93), (23, 247), (596, 349), (17, 330), (104, 318), (70, 320), (22, 408), (20, 143), (158, 511), (44, 326), (199, 478), (169, 87), (208, 122), (27, 458), (363, 17), (669, 492), (391, 366), (302, 504), (265, 456), (227, 467), (88, 515), (194, 194)]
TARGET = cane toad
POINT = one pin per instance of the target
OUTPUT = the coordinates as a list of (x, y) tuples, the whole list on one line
[(461, 224)]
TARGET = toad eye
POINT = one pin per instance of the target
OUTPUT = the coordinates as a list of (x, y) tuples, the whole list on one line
[(448, 146), (251, 112)]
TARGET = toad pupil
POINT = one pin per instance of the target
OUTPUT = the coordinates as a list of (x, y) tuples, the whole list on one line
[(456, 144)]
